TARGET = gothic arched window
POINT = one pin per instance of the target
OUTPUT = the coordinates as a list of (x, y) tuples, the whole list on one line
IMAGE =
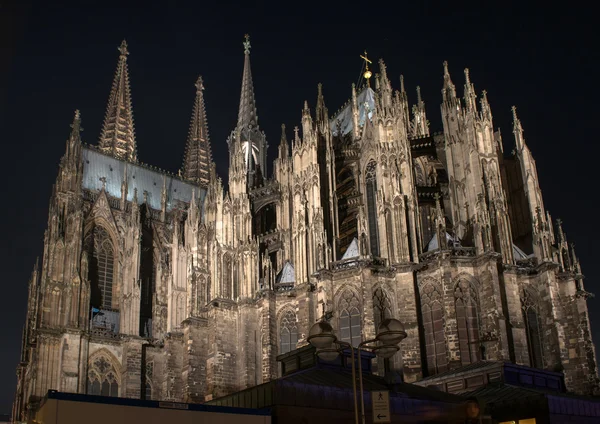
[(350, 326), (382, 307), (467, 321), (531, 315), (371, 191), (433, 326), (101, 269), (102, 377), (288, 333)]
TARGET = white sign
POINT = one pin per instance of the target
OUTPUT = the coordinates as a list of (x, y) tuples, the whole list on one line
[(381, 406)]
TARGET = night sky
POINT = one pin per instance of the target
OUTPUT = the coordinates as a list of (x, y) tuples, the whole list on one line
[(55, 59)]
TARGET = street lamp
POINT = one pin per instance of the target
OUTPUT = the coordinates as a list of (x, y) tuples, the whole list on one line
[(390, 333), (328, 347)]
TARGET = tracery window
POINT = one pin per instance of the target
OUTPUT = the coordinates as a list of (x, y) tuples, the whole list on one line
[(382, 307), (371, 191), (288, 333), (467, 320), (531, 315), (433, 326), (102, 378), (349, 321), (101, 269)]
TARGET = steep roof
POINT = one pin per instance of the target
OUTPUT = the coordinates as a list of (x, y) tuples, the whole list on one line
[(366, 106)]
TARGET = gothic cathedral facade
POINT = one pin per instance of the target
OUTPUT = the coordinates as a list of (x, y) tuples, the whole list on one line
[(170, 287)]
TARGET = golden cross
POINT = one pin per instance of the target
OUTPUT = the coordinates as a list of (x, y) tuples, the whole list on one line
[(366, 59)]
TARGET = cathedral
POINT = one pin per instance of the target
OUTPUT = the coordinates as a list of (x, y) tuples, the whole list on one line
[(180, 287)]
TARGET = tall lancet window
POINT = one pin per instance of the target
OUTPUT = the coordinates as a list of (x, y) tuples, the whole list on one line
[(101, 268), (433, 326), (533, 329), (227, 276), (349, 324), (371, 191), (382, 307), (288, 333), (467, 321)]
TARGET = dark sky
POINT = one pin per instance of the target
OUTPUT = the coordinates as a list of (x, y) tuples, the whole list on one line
[(55, 59)]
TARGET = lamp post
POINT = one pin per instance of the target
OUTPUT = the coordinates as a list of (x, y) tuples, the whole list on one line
[(389, 334)]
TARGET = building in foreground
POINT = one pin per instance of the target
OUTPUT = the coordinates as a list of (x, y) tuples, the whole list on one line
[(171, 287)]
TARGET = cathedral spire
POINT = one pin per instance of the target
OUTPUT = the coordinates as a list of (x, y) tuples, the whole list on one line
[(118, 137), (469, 94), (74, 141), (196, 164), (486, 111), (247, 113), (76, 127), (517, 129), (449, 91), (321, 112), (283, 145)]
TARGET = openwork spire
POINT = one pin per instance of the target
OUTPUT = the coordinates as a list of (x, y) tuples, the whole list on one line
[(247, 114), (118, 137), (198, 157)]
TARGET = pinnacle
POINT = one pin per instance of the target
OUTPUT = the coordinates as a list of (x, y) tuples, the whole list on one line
[(199, 84), (198, 157), (118, 136), (123, 50), (514, 113), (247, 112), (76, 125), (283, 137)]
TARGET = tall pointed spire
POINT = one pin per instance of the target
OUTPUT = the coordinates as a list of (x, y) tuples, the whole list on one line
[(283, 145), (198, 157), (517, 130), (449, 91), (321, 110), (118, 137), (247, 114), (469, 94)]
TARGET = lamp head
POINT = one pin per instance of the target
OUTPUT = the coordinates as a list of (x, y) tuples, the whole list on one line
[(390, 331), (321, 335)]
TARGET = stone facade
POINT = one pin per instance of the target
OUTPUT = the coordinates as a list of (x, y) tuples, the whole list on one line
[(170, 287)]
